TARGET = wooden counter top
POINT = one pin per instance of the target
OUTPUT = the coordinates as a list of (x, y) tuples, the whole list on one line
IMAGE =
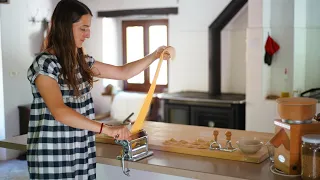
[(190, 166)]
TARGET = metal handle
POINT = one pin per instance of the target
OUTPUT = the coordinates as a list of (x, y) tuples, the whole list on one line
[(124, 170)]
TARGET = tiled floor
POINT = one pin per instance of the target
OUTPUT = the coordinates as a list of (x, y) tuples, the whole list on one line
[(13, 170)]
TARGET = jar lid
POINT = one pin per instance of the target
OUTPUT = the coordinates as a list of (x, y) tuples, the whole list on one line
[(311, 138)]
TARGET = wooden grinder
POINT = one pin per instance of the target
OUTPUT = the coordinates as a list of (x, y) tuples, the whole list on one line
[(296, 120)]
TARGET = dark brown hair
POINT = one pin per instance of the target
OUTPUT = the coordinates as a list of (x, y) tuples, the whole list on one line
[(60, 41)]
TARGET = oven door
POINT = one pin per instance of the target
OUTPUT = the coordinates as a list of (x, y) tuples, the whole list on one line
[(177, 114)]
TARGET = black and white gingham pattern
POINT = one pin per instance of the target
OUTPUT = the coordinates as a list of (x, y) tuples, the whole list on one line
[(55, 150)]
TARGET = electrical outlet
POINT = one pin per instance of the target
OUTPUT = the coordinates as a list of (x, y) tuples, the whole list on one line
[(13, 73)]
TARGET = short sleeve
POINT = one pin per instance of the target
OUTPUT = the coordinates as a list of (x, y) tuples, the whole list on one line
[(44, 65), (90, 60)]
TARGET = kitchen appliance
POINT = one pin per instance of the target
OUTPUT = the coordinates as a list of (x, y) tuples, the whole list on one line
[(296, 115), (134, 150)]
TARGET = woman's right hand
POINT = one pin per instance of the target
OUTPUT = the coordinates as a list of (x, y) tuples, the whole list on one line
[(117, 132)]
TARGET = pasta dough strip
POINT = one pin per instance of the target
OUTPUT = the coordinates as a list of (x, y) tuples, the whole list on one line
[(138, 125)]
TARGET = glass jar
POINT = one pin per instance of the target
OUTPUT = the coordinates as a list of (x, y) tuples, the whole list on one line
[(310, 156)]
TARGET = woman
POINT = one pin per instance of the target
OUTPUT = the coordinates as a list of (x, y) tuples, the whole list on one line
[(61, 141)]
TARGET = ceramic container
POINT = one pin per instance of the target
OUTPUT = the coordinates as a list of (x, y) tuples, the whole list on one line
[(249, 145)]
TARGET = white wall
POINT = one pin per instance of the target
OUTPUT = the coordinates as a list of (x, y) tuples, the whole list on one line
[(2, 117), (188, 33), (300, 46), (312, 76), (20, 39), (282, 31), (260, 113), (233, 54), (293, 24)]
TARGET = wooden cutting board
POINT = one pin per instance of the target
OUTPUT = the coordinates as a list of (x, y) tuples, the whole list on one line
[(159, 133)]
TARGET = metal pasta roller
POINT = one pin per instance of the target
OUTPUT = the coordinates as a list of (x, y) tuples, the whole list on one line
[(133, 150)]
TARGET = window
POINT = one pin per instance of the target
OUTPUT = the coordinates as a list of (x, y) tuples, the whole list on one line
[(141, 38)]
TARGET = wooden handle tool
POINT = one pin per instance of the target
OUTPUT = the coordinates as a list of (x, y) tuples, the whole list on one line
[(215, 134), (228, 135)]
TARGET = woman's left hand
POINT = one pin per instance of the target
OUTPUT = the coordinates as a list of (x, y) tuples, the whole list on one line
[(157, 53)]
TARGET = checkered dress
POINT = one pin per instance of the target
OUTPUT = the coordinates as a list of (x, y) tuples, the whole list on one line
[(55, 150)]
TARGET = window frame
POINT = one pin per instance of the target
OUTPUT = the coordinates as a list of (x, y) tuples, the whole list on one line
[(146, 24)]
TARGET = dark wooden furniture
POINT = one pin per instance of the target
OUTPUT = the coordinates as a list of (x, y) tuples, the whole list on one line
[(198, 108), (24, 113)]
